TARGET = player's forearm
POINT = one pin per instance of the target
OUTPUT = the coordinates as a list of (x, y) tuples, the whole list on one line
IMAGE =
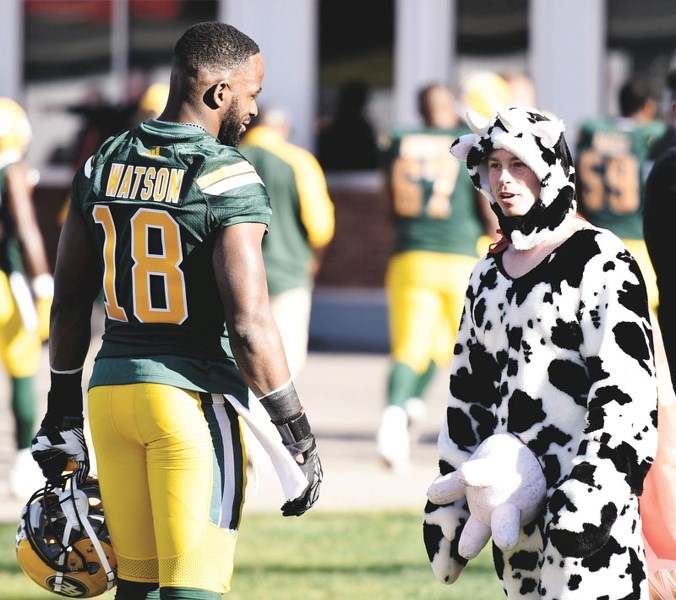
[(22, 213), (259, 353), (69, 334), (33, 249)]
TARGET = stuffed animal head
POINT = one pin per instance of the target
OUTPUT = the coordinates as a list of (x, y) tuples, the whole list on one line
[(539, 142)]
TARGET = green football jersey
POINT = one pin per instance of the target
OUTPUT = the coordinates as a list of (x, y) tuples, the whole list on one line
[(433, 198), (155, 198), (286, 251), (611, 167), (10, 251)]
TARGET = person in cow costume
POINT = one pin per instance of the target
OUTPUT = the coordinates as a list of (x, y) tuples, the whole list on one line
[(555, 347)]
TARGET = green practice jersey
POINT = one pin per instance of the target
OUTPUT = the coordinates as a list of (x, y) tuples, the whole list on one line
[(155, 198), (303, 216), (10, 252), (433, 198), (611, 166)]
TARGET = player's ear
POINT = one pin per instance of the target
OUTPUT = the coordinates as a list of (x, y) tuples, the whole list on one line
[(218, 95)]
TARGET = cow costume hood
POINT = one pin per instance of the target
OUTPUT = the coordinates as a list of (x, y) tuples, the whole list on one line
[(538, 141)]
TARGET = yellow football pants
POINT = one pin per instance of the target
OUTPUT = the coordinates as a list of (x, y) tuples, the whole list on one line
[(19, 347), (639, 251), (171, 465), (426, 293)]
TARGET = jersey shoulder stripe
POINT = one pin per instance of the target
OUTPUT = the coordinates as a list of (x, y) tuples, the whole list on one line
[(231, 183), (222, 173), (89, 167)]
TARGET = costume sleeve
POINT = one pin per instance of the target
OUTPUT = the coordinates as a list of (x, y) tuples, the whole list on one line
[(621, 428), (316, 208), (475, 377), (468, 421), (620, 436)]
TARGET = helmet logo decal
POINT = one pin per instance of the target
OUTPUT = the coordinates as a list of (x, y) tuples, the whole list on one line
[(62, 541), (69, 587)]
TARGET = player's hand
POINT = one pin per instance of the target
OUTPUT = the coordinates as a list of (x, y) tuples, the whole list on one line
[(58, 442), (312, 469), (287, 414)]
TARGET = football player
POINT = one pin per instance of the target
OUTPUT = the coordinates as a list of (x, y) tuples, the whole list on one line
[(168, 219), (26, 289), (612, 164), (438, 220)]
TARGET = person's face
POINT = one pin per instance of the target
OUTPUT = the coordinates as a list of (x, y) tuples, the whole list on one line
[(513, 184), (245, 85), (441, 108)]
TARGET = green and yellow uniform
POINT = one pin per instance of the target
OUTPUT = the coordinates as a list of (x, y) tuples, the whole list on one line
[(20, 342), (611, 166), (437, 228), (19, 338), (303, 211), (165, 381)]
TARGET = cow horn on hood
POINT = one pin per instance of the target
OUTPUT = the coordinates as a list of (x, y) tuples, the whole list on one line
[(477, 123)]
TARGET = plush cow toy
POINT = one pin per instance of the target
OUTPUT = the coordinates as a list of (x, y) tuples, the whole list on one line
[(505, 489)]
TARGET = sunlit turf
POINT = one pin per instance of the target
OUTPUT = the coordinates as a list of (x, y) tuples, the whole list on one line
[(320, 556)]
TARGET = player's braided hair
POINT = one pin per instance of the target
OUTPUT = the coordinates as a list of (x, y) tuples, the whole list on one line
[(212, 45)]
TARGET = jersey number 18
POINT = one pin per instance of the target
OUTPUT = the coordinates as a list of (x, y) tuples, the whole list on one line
[(146, 265)]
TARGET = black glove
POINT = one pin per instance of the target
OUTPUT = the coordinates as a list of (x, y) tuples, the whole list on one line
[(59, 441), (312, 469), (288, 416)]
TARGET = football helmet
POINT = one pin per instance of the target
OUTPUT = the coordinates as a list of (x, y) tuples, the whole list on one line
[(484, 92), (153, 101), (62, 542), (15, 132)]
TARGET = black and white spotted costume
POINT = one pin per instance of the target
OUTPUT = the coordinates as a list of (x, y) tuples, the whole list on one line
[(561, 357)]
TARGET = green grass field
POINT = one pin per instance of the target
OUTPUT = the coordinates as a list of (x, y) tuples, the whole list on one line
[(320, 556)]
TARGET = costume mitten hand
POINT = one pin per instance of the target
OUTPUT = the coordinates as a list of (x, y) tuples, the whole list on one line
[(584, 508), (442, 528)]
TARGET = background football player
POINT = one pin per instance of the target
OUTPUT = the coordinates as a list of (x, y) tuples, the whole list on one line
[(438, 219), (611, 166), (26, 289)]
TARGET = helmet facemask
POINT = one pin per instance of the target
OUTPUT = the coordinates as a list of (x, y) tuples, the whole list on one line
[(62, 541)]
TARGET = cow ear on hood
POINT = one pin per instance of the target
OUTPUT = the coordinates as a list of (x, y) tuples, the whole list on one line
[(549, 132), (462, 146)]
